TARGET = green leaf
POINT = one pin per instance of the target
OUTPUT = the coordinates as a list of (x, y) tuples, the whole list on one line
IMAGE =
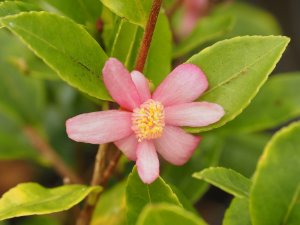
[(236, 69), (162, 214), (33, 199), (124, 45), (136, 11), (275, 192), (226, 179), (249, 20), (294, 213), (110, 21), (238, 212), (21, 101), (158, 63), (277, 103), (207, 29), (111, 209), (241, 152), (85, 12), (15, 53), (207, 154), (186, 203), (127, 43), (73, 54), (14, 7), (138, 195)]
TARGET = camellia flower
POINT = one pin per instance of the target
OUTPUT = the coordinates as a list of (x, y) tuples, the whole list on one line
[(148, 124), (193, 11)]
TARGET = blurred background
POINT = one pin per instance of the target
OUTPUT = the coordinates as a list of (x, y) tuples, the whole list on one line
[(287, 14), (32, 95)]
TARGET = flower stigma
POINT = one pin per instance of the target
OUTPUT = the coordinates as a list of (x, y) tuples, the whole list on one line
[(148, 121)]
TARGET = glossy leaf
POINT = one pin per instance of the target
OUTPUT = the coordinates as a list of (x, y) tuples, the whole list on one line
[(125, 8), (226, 179), (85, 12), (249, 20), (138, 195), (73, 54), (275, 193), (207, 29), (111, 209), (158, 64), (238, 212), (125, 44), (33, 199), (294, 215), (277, 103), (110, 21), (236, 69), (16, 54), (163, 214), (206, 155), (14, 7), (186, 203)]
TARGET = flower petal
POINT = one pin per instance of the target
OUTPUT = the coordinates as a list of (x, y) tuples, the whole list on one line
[(142, 85), (175, 145), (128, 146), (118, 81), (184, 84), (99, 127), (195, 114), (147, 162)]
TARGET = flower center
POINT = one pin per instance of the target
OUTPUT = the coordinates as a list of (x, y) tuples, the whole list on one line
[(148, 121)]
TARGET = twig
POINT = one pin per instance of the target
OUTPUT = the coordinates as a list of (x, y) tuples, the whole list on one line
[(43, 147), (111, 167), (100, 164), (106, 161), (147, 38)]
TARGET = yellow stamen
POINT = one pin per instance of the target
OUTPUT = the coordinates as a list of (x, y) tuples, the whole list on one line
[(148, 121)]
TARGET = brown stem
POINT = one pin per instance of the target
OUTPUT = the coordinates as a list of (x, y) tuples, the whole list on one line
[(147, 38), (44, 148), (111, 167), (100, 164), (106, 161)]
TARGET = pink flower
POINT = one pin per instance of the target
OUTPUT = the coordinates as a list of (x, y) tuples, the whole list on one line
[(193, 11), (148, 124)]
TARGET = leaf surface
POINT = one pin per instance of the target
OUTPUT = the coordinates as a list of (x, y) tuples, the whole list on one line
[(73, 54), (33, 199), (236, 69)]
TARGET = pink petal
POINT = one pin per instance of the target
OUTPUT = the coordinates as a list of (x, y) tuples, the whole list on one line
[(195, 114), (128, 146), (99, 127), (189, 21), (142, 85), (184, 84), (147, 162), (118, 81), (175, 145)]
